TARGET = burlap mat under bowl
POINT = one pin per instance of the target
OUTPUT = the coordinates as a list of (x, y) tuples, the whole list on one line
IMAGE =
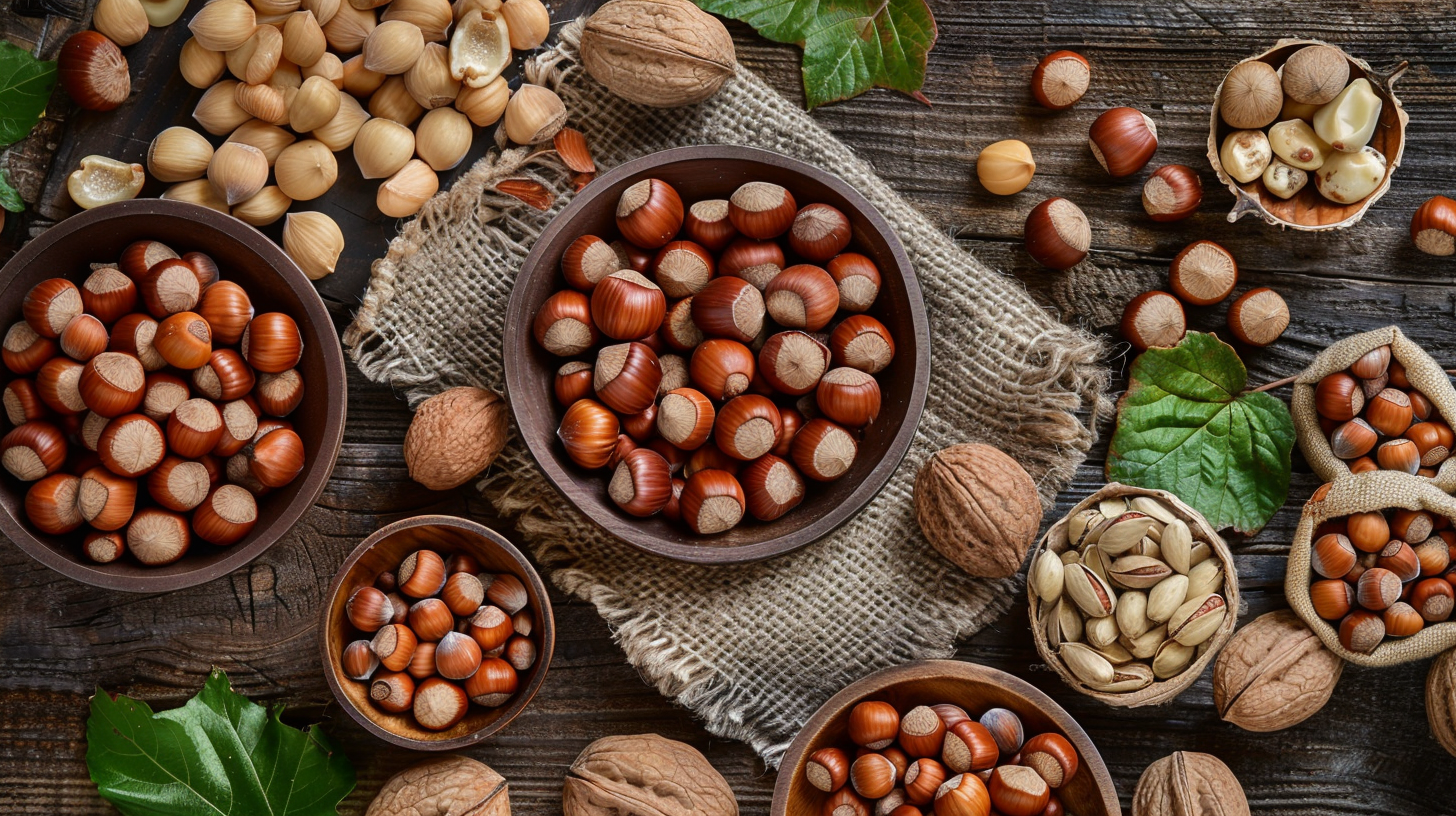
[(752, 650), (1424, 373)]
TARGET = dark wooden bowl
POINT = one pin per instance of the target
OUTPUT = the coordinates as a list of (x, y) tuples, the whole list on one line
[(715, 171), (928, 682), (274, 283), (384, 551)]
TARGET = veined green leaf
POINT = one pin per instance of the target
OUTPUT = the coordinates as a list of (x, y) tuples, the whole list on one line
[(25, 87)]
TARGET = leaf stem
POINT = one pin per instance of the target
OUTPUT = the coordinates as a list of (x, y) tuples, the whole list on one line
[(1287, 380)]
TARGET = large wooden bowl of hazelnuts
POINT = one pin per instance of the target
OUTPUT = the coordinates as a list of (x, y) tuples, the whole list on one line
[(707, 523)]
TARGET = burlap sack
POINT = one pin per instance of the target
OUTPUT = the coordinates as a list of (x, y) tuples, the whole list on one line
[(1424, 373), (1161, 691), (752, 650), (1362, 493)]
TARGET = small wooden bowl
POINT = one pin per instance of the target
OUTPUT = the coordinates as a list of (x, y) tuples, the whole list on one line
[(697, 173), (1308, 210), (274, 283), (928, 682), (384, 551)]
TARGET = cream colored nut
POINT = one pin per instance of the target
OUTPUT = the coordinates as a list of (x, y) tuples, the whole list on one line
[(443, 137), (1203, 579), (393, 47), (1177, 546), (104, 181), (316, 102), (1201, 552), (266, 206), (1102, 632), (218, 111), (534, 114), (255, 60), (223, 25), (1152, 507), (314, 242), (1283, 180), (347, 29), (433, 17), (1096, 560), (323, 10), (124, 22), (1089, 591), (429, 82), (1115, 652), (1348, 122), (1165, 598), (162, 13), (1295, 142), (197, 191), (1298, 110), (199, 66), (340, 131), (1063, 623), (402, 194), (1132, 613), (1080, 524), (1126, 678), (1245, 154), (1197, 620), (303, 39), (528, 22), (289, 76), (1171, 659), (1138, 572), (270, 139), (1348, 177), (358, 80), (480, 49), (1086, 664), (305, 170), (1112, 507), (1145, 646), (178, 154), (237, 171), (382, 147), (1125, 532), (329, 67), (484, 106), (1047, 576), (1070, 557)]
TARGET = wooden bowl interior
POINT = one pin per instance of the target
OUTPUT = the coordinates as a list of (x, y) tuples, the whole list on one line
[(972, 687), (246, 257), (384, 551), (1308, 208), (704, 173)]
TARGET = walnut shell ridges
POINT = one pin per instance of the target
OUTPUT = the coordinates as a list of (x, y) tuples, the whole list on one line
[(978, 508), (455, 435), (1441, 700), (645, 775), (1189, 784), (659, 53), (1273, 674), (447, 786)]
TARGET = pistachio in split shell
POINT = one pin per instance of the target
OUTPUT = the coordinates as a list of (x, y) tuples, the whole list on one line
[(1165, 598), (1177, 546), (1205, 577), (178, 154), (1189, 784), (1102, 632), (1138, 571), (1441, 700), (1126, 678), (1145, 646), (1275, 673), (1125, 532), (101, 180), (1089, 591), (1132, 613), (1197, 620), (1047, 576), (1096, 560), (1063, 623), (1171, 659), (1115, 653), (314, 242), (1084, 662), (480, 48), (1147, 505), (1080, 524)]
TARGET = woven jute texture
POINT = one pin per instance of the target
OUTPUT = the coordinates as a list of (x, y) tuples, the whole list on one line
[(1425, 376), (752, 650), (1363, 493)]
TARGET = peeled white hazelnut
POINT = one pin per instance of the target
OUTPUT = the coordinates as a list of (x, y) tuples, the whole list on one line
[(479, 49), (1245, 154), (1348, 121), (1348, 177), (1283, 180), (104, 181), (1298, 145)]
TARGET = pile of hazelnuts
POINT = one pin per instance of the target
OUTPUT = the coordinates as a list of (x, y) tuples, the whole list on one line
[(462, 638), (710, 374), (1375, 420), (939, 759), (148, 405), (1383, 574)]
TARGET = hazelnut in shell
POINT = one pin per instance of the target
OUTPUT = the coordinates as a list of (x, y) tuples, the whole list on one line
[(33, 451), (858, 280), (802, 297), (1433, 227), (627, 306), (721, 368), (712, 502), (271, 343), (1258, 317), (1154, 320), (225, 516), (131, 445), (685, 418), (1172, 193), (493, 683), (649, 214), (22, 402), (228, 311), (1057, 233), (626, 376), (50, 305), (849, 397), (276, 458), (730, 307), (25, 351), (589, 431), (772, 487), (747, 427), (184, 340), (1123, 140), (757, 262), (84, 337), (641, 484), (1203, 273), (761, 210), (1060, 79), (157, 537), (822, 450), (819, 232), (793, 362), (707, 223), (93, 71)]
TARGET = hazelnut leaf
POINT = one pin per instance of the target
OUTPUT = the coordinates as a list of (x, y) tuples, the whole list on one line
[(25, 87), (1185, 425), (850, 46), (220, 753)]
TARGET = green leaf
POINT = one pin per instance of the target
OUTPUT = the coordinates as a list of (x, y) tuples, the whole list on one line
[(25, 87), (849, 46), (1186, 426), (219, 754), (9, 196)]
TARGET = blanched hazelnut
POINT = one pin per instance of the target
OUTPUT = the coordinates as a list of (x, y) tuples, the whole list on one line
[(1348, 122), (1298, 145), (1348, 177), (1283, 180), (1245, 154)]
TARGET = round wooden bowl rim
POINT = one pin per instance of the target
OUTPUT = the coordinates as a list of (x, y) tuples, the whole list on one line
[(955, 670), (1173, 686), (1247, 203), (316, 473), (544, 648), (517, 334)]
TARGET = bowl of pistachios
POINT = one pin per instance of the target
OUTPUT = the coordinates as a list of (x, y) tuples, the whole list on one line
[(1131, 596)]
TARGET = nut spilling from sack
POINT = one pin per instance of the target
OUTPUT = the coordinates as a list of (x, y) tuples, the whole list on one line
[(1375, 420)]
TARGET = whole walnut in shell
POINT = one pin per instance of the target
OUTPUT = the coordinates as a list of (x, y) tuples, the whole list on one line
[(1441, 700), (660, 53), (455, 435), (645, 775), (1273, 674), (979, 508), (1189, 784), (445, 786)]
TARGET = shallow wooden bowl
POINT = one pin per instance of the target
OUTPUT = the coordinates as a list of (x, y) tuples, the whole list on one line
[(715, 171), (384, 550), (274, 283), (928, 682), (1308, 210)]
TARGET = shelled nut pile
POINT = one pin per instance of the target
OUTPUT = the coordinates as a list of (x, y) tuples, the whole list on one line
[(1375, 420), (939, 759), (463, 637), (1383, 574), (722, 381), (152, 380), (1134, 599)]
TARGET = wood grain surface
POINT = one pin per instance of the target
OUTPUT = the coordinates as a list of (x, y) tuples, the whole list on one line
[(1368, 752)]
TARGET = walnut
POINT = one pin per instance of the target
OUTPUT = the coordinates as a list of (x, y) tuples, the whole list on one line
[(446, 786), (979, 508), (1441, 700), (660, 53), (1189, 784), (455, 435), (1273, 674), (645, 775)]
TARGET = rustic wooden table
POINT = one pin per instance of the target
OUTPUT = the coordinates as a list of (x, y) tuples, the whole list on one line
[(1368, 752)]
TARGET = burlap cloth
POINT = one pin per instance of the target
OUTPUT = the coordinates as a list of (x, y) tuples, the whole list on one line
[(1362, 493), (752, 650)]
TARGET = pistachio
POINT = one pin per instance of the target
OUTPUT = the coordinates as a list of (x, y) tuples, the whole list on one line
[(1070, 557), (1046, 577), (1189, 784), (1148, 547), (1197, 620), (1138, 571), (1177, 546), (1116, 653), (1131, 677), (1132, 613), (1201, 552), (1092, 595), (1063, 623), (1102, 632), (1273, 674), (1125, 531), (1080, 524), (1204, 578), (1112, 507), (1165, 598), (1086, 664), (1171, 659), (1145, 646), (1152, 507), (1096, 560)]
